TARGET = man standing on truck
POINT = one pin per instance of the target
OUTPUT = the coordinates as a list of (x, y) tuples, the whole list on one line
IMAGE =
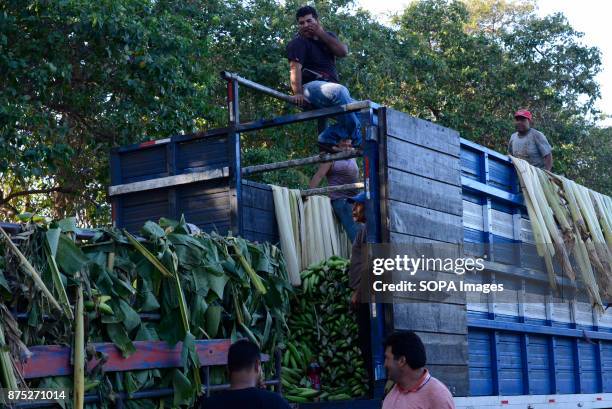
[(529, 144), (405, 360), (340, 172), (244, 366), (357, 270), (314, 79)]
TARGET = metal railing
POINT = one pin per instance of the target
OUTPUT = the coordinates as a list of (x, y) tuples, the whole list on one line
[(235, 80)]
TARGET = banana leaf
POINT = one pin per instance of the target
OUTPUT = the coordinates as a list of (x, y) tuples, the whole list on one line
[(181, 277)]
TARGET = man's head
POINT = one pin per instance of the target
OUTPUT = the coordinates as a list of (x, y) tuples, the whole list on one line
[(307, 18), (358, 202), (345, 144), (522, 120), (244, 361), (404, 352)]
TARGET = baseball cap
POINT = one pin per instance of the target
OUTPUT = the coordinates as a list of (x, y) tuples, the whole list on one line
[(523, 113), (358, 198)]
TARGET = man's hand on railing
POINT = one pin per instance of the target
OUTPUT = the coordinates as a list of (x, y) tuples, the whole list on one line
[(300, 100)]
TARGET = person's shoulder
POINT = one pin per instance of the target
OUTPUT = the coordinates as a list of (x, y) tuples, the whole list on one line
[(362, 229), (536, 133), (272, 399), (440, 390), (212, 402), (297, 40), (514, 135), (363, 233), (332, 34)]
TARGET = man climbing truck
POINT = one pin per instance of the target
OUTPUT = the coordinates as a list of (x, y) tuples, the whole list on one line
[(358, 269), (529, 144), (314, 79), (340, 172)]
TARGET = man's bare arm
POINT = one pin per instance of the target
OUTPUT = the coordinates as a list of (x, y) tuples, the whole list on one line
[(316, 179), (548, 161), (338, 48), (295, 77)]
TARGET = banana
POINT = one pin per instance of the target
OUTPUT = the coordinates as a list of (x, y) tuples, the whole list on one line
[(292, 362), (307, 392), (104, 298), (339, 396), (305, 285), (105, 308), (91, 384), (326, 334), (297, 399), (295, 353), (291, 371)]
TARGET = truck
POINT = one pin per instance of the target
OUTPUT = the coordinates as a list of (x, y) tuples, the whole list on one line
[(424, 184)]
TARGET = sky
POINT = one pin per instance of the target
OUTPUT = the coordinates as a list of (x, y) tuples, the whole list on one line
[(591, 17)]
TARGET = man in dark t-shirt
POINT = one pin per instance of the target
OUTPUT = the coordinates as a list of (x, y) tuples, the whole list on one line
[(314, 79), (244, 365), (359, 268)]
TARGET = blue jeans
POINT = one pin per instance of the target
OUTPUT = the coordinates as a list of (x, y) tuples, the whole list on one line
[(344, 211), (322, 94)]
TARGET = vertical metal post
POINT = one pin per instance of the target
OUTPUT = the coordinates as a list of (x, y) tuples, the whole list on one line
[(525, 361), (233, 146), (487, 213), (599, 354), (116, 205), (494, 341), (277, 370), (207, 380), (321, 124), (577, 365), (517, 224), (372, 191), (576, 349), (171, 171), (600, 369), (554, 385), (495, 362), (552, 345)]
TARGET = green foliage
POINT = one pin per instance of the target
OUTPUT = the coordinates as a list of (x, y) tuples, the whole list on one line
[(81, 77), (199, 286), (468, 66), (495, 16), (587, 159)]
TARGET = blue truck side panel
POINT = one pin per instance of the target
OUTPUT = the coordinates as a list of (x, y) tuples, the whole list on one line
[(538, 356), (469, 194), (206, 204), (424, 205), (259, 219)]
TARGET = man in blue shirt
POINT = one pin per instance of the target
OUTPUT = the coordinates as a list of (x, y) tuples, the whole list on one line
[(244, 365), (314, 79)]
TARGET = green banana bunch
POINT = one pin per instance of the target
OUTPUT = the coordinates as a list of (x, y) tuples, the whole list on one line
[(99, 304), (323, 330)]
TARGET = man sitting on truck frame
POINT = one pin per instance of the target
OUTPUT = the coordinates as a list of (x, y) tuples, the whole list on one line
[(314, 79)]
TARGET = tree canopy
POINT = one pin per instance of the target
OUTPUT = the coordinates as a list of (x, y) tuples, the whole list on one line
[(81, 77)]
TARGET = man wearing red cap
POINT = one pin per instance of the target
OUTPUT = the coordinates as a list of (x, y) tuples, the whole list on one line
[(529, 144)]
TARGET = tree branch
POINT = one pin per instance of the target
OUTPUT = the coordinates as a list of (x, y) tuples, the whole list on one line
[(33, 192)]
